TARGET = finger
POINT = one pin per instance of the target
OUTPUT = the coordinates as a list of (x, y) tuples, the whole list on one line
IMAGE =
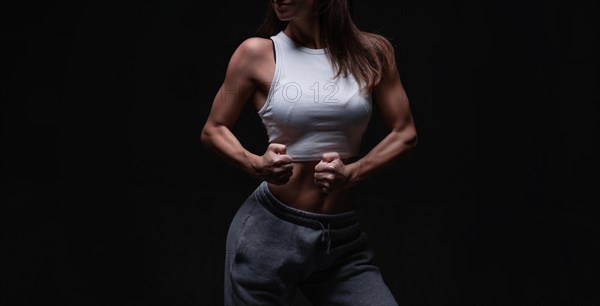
[(318, 177), (324, 176), (318, 167), (322, 184), (328, 168), (281, 172), (323, 166), (278, 171), (281, 160), (330, 157), (277, 148), (287, 167), (282, 165)]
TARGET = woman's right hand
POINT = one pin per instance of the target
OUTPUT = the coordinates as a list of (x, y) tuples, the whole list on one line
[(275, 166)]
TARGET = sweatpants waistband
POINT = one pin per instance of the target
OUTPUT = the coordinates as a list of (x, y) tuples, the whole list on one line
[(302, 217)]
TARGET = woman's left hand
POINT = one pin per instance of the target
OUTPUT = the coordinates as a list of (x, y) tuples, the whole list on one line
[(331, 173)]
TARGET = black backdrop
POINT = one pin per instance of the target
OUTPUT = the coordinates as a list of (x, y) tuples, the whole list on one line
[(110, 197)]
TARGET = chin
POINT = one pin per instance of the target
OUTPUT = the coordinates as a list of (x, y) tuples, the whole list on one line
[(286, 17)]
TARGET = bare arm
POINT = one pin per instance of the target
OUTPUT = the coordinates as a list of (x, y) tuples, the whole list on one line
[(395, 111), (237, 88)]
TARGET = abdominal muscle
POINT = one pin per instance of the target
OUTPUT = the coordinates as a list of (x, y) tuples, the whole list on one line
[(302, 193)]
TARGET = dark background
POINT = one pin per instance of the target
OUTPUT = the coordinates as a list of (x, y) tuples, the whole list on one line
[(110, 197)]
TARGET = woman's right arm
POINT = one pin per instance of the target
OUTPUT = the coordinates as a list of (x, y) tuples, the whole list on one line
[(239, 85)]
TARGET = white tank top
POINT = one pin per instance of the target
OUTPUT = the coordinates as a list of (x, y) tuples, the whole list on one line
[(307, 109)]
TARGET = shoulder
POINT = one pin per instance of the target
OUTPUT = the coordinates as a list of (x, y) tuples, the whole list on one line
[(253, 48), (379, 42), (249, 57), (382, 48)]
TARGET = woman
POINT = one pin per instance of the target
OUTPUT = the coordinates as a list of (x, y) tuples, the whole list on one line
[(312, 81)]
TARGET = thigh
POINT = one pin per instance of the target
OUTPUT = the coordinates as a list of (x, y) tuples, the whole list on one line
[(352, 280), (266, 259)]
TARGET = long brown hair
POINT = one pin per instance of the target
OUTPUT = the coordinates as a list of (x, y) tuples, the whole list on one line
[(352, 51)]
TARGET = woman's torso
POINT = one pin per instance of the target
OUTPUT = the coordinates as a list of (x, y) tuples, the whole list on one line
[(300, 191)]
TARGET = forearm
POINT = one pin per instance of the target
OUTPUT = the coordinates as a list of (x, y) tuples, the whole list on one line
[(223, 142), (382, 156)]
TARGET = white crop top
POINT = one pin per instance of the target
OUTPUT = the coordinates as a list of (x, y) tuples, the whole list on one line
[(309, 111)]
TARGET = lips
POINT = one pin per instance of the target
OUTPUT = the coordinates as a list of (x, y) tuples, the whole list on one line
[(282, 7)]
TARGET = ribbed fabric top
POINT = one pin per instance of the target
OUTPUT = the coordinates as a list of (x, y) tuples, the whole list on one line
[(307, 109)]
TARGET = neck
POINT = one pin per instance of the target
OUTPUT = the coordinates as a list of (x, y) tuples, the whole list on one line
[(306, 32)]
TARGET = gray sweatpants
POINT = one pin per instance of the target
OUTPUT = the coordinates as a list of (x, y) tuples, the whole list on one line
[(273, 249)]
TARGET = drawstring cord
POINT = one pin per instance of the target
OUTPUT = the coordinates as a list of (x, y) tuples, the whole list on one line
[(326, 232)]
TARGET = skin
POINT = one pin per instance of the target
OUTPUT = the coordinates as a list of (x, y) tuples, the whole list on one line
[(325, 186)]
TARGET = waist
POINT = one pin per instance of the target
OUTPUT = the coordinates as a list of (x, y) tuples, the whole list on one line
[(309, 149), (298, 216), (300, 191)]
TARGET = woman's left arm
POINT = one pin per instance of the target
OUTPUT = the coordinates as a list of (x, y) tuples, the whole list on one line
[(393, 104), (391, 99)]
